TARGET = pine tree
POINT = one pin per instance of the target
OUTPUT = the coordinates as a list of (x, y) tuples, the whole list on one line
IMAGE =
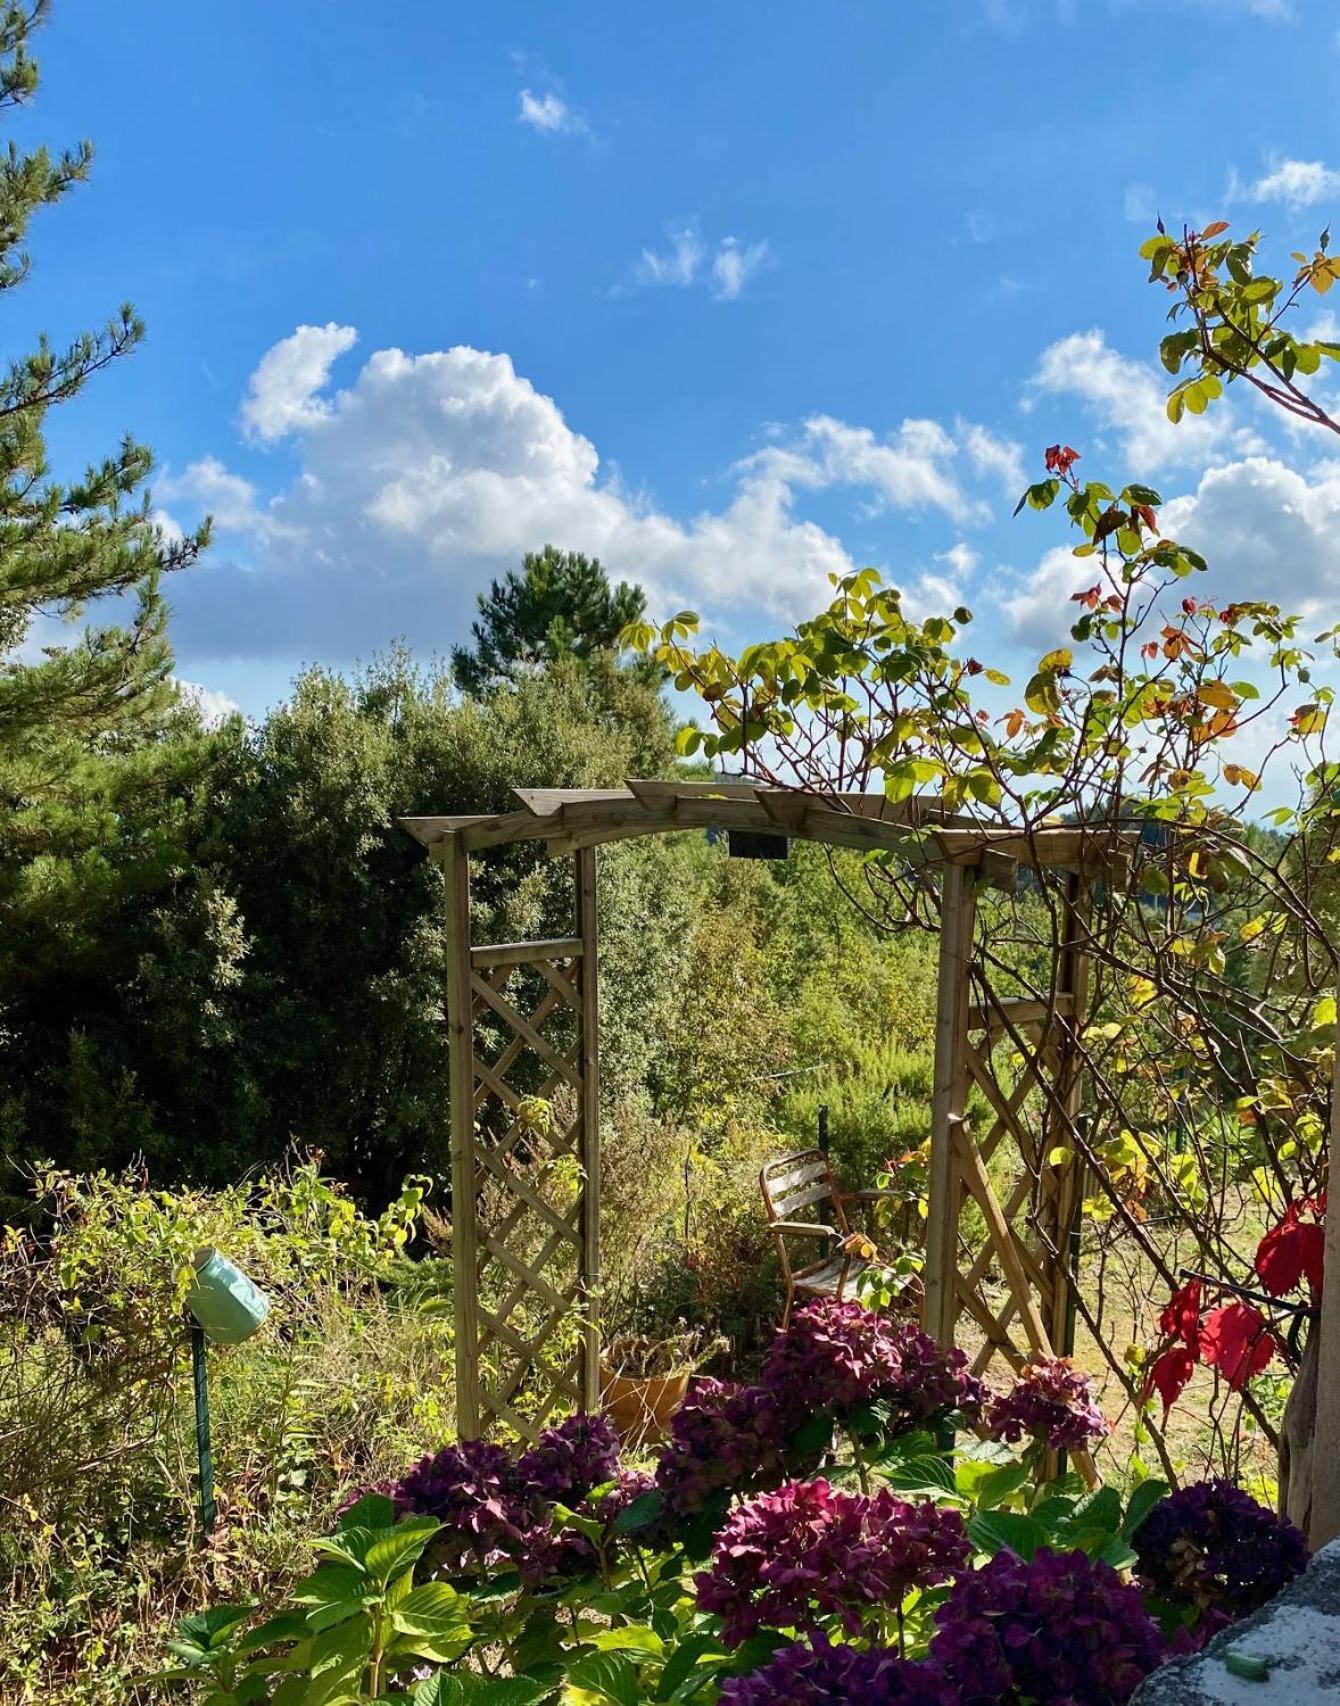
[(560, 605), (78, 712)]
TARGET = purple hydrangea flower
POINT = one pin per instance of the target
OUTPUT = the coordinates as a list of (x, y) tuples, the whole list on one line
[(724, 1439), (1213, 1548), (835, 1355), (785, 1560), (1062, 1629), (569, 1460), (471, 1489), (816, 1673), (1051, 1401)]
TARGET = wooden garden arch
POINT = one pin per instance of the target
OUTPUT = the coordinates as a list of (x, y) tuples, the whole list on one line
[(527, 1276)]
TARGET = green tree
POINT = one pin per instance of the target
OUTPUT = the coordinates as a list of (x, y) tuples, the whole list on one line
[(76, 719), (561, 604)]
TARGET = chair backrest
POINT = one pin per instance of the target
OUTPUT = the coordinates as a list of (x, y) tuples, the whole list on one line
[(794, 1183)]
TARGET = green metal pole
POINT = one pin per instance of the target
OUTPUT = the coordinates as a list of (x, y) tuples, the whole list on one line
[(200, 1376)]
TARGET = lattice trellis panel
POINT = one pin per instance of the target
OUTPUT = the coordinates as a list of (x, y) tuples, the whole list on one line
[(525, 1166), (1010, 1288)]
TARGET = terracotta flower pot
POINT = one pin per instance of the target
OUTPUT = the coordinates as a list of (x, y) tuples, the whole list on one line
[(641, 1407)]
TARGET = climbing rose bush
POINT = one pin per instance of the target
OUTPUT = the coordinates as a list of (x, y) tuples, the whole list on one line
[(724, 1438), (836, 1355), (785, 1560), (1062, 1629), (813, 1673), (1053, 1403), (1212, 1548)]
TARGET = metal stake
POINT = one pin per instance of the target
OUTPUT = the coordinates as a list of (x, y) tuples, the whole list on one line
[(200, 1375)]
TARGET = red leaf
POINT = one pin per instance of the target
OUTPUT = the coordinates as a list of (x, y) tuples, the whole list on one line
[(1236, 1341), (1288, 1254), (1169, 1375), (1181, 1319)]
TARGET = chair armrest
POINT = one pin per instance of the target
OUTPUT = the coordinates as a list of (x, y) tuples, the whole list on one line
[(808, 1227)]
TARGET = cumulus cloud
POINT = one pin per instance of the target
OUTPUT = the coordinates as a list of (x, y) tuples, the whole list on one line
[(1129, 398), (1297, 183), (723, 271), (214, 707), (549, 114), (991, 455), (431, 473), (1265, 529), (282, 395)]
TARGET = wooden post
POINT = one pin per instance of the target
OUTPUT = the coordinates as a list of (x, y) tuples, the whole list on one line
[(957, 912), (455, 862), (1059, 1121), (585, 863), (1325, 1523)]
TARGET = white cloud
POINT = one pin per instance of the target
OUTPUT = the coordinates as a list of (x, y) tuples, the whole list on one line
[(214, 707), (735, 263), (549, 114), (1297, 183), (725, 273), (991, 455), (282, 395), (676, 266), (1264, 529), (1130, 399), (229, 498), (429, 474)]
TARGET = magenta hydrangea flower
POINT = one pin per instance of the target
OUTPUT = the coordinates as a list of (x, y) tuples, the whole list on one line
[(724, 1439), (1062, 1629), (569, 1460), (471, 1489), (788, 1559), (1212, 1548), (815, 1673), (1051, 1401), (836, 1355)]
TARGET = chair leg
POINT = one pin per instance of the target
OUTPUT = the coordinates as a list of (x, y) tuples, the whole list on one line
[(790, 1299)]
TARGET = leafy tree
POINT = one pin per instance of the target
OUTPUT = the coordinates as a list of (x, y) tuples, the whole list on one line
[(560, 605), (76, 720)]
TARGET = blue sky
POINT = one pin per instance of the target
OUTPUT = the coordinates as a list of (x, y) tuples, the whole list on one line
[(727, 294)]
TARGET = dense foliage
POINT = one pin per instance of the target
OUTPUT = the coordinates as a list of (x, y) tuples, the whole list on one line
[(557, 1573)]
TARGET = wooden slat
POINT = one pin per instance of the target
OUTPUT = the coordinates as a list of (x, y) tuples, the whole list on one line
[(996, 1015), (571, 995), (523, 1028), (585, 877), (957, 904), (516, 1046), (544, 802), (975, 1177), (460, 1034), (518, 1186), (527, 953)]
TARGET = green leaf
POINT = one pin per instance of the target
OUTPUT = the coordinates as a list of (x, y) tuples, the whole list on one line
[(929, 1476), (1042, 694), (685, 1659), (630, 1638), (997, 1531), (397, 1549), (465, 1688), (997, 1484), (610, 1676), (209, 1631), (372, 1511), (641, 1513), (1143, 1500)]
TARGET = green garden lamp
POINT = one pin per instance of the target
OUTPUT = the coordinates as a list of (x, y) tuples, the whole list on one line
[(226, 1307)]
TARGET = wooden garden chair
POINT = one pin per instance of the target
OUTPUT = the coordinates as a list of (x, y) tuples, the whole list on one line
[(803, 1181)]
